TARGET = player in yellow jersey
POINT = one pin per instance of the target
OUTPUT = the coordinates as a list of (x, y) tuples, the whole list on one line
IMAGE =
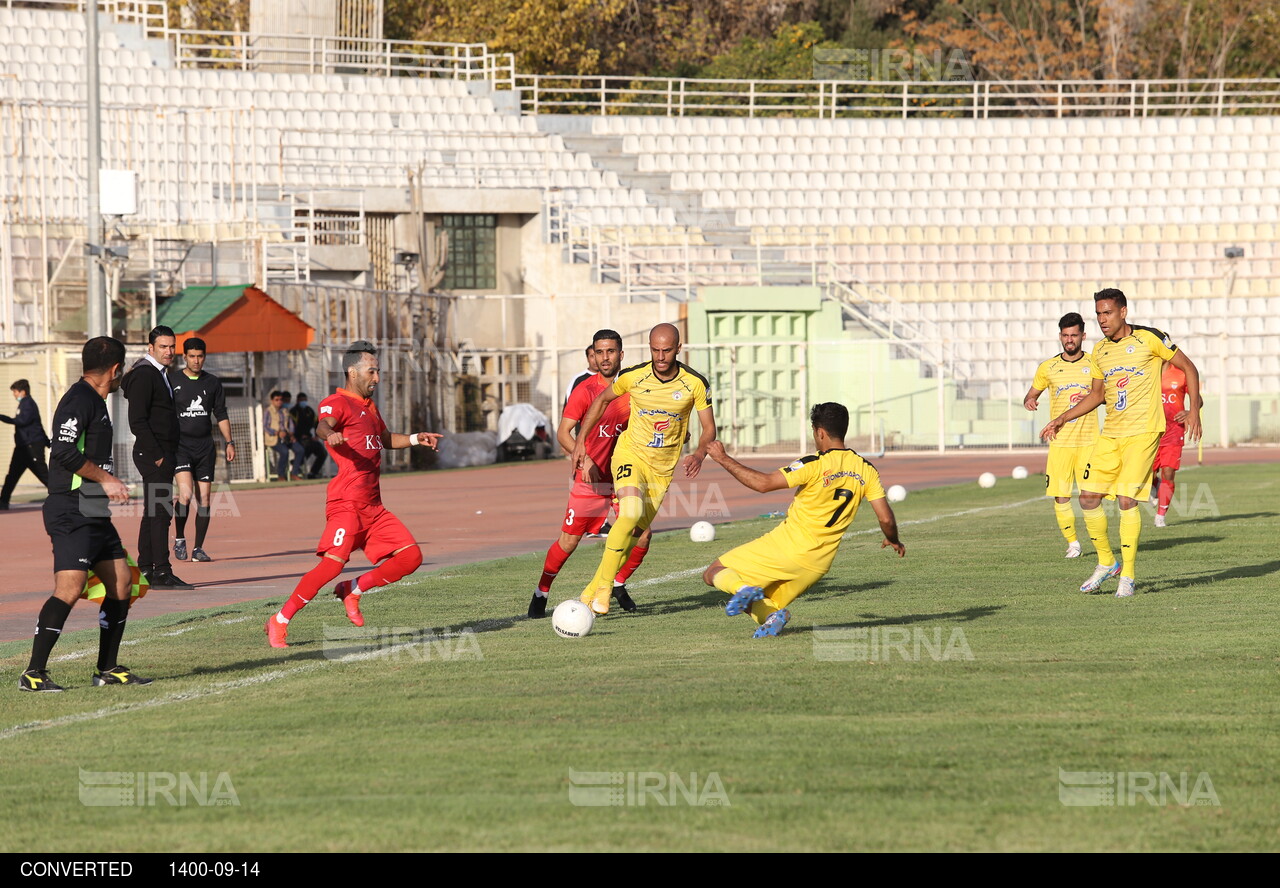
[(664, 393), (1068, 377), (764, 576), (1127, 364)]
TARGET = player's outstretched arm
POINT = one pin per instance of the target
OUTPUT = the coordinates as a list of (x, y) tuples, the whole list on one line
[(888, 526), (397, 441), (1096, 398), (1194, 401), (693, 462), (760, 482), (1032, 399)]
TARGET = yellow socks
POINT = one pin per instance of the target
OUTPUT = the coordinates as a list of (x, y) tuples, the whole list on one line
[(729, 581), (1130, 530), (1095, 522), (1066, 520)]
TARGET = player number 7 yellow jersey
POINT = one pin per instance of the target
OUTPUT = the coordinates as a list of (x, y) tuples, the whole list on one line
[(832, 484)]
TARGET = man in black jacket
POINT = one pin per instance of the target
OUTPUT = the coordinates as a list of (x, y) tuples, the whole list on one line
[(29, 442), (153, 419)]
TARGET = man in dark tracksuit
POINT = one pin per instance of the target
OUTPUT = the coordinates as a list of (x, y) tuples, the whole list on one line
[(153, 419), (29, 442)]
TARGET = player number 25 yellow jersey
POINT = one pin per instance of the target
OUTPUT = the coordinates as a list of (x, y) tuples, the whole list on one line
[(660, 412), (1068, 382), (831, 485)]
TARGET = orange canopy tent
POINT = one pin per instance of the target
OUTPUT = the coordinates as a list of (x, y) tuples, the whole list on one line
[(238, 318)]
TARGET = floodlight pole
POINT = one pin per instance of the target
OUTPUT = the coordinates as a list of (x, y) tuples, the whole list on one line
[(99, 318)]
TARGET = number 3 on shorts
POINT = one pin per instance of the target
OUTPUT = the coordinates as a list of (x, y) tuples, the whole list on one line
[(569, 520), (338, 537)]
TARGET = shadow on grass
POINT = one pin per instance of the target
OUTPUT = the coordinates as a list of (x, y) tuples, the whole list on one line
[(869, 620), (711, 597), (1172, 542), (1230, 516), (1239, 572)]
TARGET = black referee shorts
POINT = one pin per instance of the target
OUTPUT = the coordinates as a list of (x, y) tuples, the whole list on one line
[(197, 456), (79, 540)]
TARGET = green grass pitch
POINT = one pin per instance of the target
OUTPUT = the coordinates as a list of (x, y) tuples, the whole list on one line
[(931, 703)]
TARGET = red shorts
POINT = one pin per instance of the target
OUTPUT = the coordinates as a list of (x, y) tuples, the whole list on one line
[(370, 528), (588, 508), (1169, 453)]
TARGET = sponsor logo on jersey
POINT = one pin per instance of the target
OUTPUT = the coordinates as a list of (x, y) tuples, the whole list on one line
[(829, 478), (195, 408), (662, 425), (69, 431), (796, 466), (1122, 393), (644, 412), (327, 408), (372, 442)]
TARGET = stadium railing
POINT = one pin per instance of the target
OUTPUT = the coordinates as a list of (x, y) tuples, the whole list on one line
[(683, 97)]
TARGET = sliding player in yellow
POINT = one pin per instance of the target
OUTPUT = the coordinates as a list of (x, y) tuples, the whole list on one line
[(664, 393), (1126, 377), (1069, 378), (765, 575)]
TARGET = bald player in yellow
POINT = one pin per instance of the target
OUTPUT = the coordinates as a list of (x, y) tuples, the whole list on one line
[(664, 393), (1127, 364), (1068, 378), (764, 576)]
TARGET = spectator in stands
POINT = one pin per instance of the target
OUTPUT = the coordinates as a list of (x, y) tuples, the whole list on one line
[(278, 432), (29, 442), (304, 426)]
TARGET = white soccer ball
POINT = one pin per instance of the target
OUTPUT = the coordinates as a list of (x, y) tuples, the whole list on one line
[(986, 479), (702, 532), (572, 619), (1019, 473), (896, 494)]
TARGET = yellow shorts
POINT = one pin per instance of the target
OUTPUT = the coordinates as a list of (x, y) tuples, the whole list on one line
[(1121, 466), (1065, 465), (631, 472), (774, 569)]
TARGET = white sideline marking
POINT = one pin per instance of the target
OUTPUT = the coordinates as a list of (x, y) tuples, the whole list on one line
[(212, 690), (678, 575), (177, 697)]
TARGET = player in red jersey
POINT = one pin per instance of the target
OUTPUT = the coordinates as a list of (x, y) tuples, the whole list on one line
[(1173, 392), (592, 496), (355, 517)]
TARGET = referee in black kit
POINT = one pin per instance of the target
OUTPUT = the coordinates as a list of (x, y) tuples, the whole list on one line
[(153, 419), (78, 520)]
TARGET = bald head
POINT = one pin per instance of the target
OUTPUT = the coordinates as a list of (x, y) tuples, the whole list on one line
[(664, 345), (666, 333)]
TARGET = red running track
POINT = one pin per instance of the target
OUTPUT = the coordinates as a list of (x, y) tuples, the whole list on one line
[(458, 516)]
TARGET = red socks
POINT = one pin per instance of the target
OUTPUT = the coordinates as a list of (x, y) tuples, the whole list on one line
[(1165, 497), (637, 555), (311, 583), (556, 557), (399, 565)]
